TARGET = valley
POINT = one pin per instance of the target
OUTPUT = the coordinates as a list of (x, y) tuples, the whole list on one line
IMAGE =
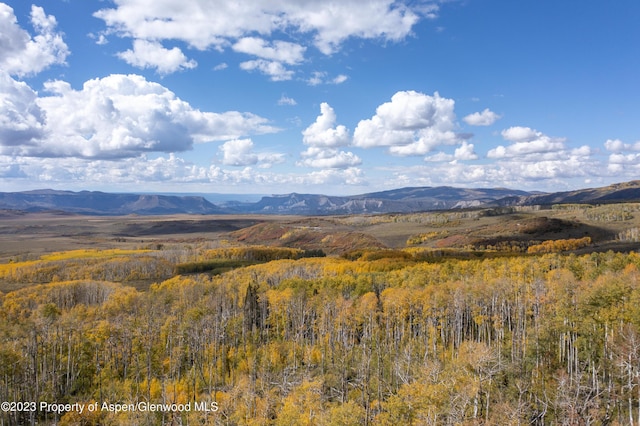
[(26, 235)]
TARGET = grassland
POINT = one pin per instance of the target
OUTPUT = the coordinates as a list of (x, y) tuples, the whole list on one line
[(611, 227)]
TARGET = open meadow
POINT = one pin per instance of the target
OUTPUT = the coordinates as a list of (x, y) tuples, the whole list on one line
[(27, 236)]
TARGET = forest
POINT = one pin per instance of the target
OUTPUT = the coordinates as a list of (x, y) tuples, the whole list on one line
[(264, 335)]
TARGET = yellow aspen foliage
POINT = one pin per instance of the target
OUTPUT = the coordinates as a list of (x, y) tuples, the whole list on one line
[(156, 389), (557, 246), (302, 406), (89, 253), (85, 418), (342, 414), (332, 341)]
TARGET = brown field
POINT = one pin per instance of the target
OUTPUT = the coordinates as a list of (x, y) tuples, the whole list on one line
[(25, 236)]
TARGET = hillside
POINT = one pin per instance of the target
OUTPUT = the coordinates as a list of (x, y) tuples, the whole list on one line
[(617, 193), (101, 203), (403, 200)]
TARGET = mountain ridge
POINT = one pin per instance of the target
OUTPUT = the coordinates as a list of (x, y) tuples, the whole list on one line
[(104, 203), (401, 200)]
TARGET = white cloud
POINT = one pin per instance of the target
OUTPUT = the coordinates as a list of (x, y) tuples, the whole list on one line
[(324, 132), (520, 134), (335, 177), (321, 77), (340, 79), (439, 157), (21, 54), (583, 151), (317, 78), (11, 171), (114, 117), (534, 156), (528, 144), (624, 159), (204, 24), (278, 51), (411, 124), (101, 40), (148, 54), (465, 152), (285, 100), (484, 118), (275, 70), (163, 173), (511, 173), (240, 152), (21, 119), (323, 137), (130, 171), (616, 145), (324, 158)]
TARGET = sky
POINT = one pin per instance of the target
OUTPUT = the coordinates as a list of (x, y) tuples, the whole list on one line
[(335, 97)]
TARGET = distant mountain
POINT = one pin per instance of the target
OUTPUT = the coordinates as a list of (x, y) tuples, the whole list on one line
[(101, 203), (617, 193), (403, 200)]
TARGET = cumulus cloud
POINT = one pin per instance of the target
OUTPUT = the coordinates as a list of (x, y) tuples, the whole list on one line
[(624, 159), (534, 156), (411, 124), (240, 152), (204, 24), (616, 145), (350, 176), (72, 171), (22, 121), (465, 152), (323, 137), (322, 132), (151, 54), (527, 142), (275, 70), (278, 51), (484, 118), (20, 53), (511, 173), (520, 134), (273, 56), (323, 158), (114, 117), (161, 173)]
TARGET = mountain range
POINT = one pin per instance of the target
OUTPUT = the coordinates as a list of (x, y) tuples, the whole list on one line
[(403, 200)]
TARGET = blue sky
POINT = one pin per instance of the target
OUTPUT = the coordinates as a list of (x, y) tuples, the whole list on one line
[(279, 96)]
